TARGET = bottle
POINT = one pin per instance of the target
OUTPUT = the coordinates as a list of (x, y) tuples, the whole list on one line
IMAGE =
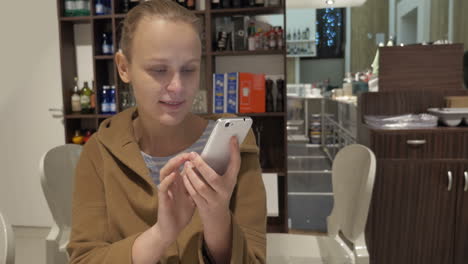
[(133, 3), (279, 38), (105, 105), (191, 4), (258, 40), (85, 99), (269, 96), (112, 100), (390, 42), (87, 136), (82, 7), (215, 4), (125, 6), (92, 102), (106, 44), (259, 3), (78, 138), (251, 35), (182, 3), (107, 6), (75, 99), (279, 95), (236, 3), (265, 40), (100, 8), (272, 39), (251, 3), (225, 3), (274, 3), (69, 7)]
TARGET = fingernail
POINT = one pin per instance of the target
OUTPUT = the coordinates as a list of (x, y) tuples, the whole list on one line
[(193, 155)]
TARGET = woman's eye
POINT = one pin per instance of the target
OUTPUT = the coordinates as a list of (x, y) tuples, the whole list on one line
[(159, 70), (188, 70)]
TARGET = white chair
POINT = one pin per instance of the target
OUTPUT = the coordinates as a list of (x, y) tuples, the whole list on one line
[(57, 170), (353, 174), (7, 242)]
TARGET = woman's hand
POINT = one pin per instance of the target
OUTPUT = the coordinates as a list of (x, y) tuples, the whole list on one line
[(176, 207), (212, 195), (212, 192)]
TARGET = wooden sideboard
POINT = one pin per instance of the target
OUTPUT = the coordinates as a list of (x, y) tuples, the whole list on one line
[(419, 208)]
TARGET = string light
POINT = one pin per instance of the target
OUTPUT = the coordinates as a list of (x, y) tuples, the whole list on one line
[(330, 21)]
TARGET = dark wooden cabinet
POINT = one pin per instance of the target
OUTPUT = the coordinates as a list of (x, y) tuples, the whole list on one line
[(413, 212), (461, 217), (419, 208)]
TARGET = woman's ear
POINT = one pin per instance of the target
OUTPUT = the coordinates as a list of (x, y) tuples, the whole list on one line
[(122, 66)]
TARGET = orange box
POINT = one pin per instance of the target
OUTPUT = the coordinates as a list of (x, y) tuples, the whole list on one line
[(251, 93)]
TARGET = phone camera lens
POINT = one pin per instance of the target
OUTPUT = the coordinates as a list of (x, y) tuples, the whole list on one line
[(227, 124)]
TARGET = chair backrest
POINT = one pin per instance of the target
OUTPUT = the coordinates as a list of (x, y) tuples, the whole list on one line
[(7, 242), (353, 174), (57, 172)]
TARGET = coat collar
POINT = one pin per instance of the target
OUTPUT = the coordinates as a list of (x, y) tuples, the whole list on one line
[(118, 137)]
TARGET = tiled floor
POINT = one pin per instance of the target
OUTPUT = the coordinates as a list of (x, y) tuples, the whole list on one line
[(30, 244)]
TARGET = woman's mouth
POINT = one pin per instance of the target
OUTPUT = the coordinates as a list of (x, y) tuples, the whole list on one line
[(171, 105)]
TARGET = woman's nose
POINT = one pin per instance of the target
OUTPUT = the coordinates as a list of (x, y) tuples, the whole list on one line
[(175, 84)]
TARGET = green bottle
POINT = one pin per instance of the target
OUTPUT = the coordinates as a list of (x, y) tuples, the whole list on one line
[(85, 99), (69, 7)]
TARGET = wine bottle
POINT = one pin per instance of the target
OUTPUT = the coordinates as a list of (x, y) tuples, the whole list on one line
[(279, 96), (215, 4), (269, 96), (191, 4), (133, 3), (69, 7), (124, 6), (259, 3), (225, 3), (85, 99), (75, 98)]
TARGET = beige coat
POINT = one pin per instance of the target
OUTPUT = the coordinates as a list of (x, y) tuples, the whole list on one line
[(115, 200)]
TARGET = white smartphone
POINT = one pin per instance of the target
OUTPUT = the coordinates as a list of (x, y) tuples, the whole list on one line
[(217, 152)]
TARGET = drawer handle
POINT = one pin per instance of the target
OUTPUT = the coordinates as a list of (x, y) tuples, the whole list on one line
[(416, 142), (450, 181), (466, 181)]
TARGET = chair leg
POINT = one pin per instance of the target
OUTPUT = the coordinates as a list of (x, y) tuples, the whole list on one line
[(360, 250)]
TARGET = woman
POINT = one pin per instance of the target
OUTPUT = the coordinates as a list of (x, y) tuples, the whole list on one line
[(131, 202)]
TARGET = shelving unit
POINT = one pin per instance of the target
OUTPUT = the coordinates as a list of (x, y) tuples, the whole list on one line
[(273, 145)]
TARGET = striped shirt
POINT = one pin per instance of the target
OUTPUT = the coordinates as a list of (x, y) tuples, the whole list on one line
[(154, 164)]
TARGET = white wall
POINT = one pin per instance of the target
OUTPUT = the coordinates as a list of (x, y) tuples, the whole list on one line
[(30, 80), (423, 8)]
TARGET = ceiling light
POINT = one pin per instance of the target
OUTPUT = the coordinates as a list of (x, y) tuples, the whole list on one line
[(298, 4)]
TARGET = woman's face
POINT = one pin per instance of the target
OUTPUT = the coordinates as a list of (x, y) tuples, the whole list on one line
[(165, 69)]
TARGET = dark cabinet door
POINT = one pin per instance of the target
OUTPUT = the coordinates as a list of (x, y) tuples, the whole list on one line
[(461, 220), (412, 214)]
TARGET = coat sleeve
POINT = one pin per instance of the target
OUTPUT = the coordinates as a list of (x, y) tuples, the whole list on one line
[(248, 207), (89, 241)]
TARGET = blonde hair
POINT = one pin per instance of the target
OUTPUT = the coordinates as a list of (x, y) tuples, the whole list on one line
[(164, 9)]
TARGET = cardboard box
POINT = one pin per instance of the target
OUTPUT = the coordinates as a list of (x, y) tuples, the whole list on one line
[(232, 91), (251, 93), (219, 98), (456, 101)]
